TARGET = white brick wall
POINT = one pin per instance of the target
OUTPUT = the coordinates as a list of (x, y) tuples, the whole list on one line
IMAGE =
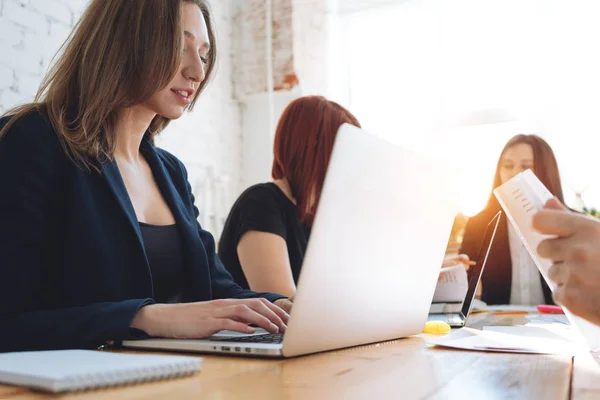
[(312, 45), (250, 50), (31, 32), (22, 14), (257, 141), (10, 33), (6, 77), (53, 9)]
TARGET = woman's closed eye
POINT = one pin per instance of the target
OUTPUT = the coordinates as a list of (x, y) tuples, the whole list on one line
[(204, 58)]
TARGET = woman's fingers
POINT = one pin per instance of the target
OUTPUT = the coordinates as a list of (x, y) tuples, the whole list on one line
[(263, 306), (259, 312), (281, 313), (269, 310), (463, 258), (285, 305), (244, 314), (226, 324), (454, 260)]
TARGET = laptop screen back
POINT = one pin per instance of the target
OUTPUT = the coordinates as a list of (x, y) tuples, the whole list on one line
[(477, 270)]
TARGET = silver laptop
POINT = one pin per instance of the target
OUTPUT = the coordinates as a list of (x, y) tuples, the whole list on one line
[(459, 319), (373, 258)]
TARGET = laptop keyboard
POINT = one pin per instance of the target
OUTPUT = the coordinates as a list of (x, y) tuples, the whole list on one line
[(270, 338)]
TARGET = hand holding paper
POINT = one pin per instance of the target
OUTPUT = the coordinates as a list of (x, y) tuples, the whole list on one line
[(524, 196), (576, 256)]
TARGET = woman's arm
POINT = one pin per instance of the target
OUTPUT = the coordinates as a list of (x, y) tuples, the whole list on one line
[(265, 261), (68, 328)]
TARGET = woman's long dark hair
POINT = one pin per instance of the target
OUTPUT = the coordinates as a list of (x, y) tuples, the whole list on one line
[(544, 167)]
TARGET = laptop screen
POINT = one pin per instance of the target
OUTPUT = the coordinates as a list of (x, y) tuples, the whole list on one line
[(477, 269)]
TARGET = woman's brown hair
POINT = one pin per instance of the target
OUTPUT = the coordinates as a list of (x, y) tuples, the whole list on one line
[(545, 166), (118, 55), (303, 143)]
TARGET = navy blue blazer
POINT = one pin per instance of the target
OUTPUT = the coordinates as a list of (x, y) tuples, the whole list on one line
[(73, 269)]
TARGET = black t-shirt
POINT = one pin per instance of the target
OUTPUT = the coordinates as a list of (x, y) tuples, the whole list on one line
[(264, 208)]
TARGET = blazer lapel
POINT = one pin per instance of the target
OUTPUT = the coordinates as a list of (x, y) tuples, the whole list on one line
[(165, 184), (111, 174), (197, 284)]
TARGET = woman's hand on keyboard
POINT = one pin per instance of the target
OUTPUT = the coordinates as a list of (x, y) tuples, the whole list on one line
[(202, 319), (285, 304)]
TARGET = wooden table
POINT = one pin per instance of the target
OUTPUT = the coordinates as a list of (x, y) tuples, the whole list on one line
[(400, 369)]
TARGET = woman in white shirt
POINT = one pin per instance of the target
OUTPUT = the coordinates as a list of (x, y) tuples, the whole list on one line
[(510, 275)]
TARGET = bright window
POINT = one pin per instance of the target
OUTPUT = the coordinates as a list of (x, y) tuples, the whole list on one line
[(460, 77)]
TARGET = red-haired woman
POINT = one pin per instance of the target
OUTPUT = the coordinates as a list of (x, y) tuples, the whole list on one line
[(265, 236), (510, 275)]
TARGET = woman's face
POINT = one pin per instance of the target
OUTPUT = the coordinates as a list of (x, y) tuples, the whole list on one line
[(516, 159), (171, 101)]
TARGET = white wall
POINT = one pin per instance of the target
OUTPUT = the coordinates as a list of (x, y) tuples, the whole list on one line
[(250, 81), (31, 31), (257, 140)]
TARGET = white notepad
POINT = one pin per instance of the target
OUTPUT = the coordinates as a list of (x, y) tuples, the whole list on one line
[(452, 285), (521, 197), (75, 370)]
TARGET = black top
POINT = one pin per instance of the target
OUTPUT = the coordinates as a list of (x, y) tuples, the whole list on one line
[(264, 208), (497, 277), (73, 271), (165, 257)]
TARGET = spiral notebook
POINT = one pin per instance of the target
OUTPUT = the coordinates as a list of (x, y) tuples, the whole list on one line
[(521, 197), (77, 370)]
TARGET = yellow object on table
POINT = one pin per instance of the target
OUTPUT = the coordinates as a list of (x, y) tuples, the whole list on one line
[(436, 327)]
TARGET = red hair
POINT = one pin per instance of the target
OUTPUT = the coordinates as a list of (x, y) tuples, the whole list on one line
[(303, 143)]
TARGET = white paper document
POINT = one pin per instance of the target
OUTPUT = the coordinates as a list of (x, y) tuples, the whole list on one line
[(521, 197), (452, 285), (510, 339), (554, 331)]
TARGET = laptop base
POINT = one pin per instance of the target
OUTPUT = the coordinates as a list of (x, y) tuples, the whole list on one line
[(208, 346), (455, 320)]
